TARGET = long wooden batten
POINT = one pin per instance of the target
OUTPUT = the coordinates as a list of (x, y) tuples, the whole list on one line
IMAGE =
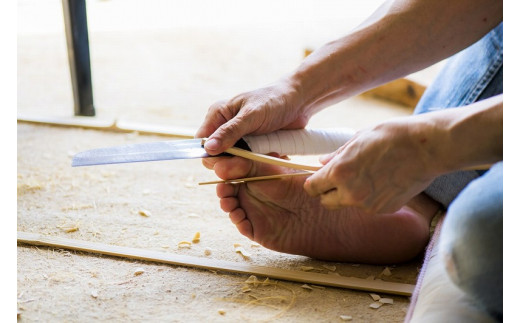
[(215, 264)]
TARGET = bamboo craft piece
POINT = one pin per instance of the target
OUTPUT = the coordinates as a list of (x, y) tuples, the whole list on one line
[(378, 286), (257, 178)]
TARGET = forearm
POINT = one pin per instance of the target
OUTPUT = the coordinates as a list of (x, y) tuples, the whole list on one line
[(462, 138), (400, 38)]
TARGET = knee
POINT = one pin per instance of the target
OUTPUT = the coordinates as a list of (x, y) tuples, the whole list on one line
[(471, 241)]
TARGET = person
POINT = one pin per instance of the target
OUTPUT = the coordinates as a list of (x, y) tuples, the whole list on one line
[(374, 198)]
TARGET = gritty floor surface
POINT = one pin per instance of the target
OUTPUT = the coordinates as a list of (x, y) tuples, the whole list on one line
[(168, 77)]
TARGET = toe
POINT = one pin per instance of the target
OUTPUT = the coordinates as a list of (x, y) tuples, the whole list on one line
[(234, 167), (228, 204)]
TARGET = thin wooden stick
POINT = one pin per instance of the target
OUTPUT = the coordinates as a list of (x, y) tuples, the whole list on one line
[(215, 264), (257, 178), (270, 159)]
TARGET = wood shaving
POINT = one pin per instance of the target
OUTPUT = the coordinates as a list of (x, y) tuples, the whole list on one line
[(252, 280), (305, 286), (306, 268), (386, 301), (329, 267), (375, 297), (196, 238), (184, 244), (243, 252), (221, 312), (346, 317), (69, 228), (138, 271), (376, 305), (255, 245), (386, 272), (145, 213)]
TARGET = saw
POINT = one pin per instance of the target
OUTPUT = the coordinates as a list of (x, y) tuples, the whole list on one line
[(283, 142)]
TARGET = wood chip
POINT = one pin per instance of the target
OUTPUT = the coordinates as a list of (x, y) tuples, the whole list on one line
[(375, 297), (306, 268), (376, 305), (386, 301), (71, 229), (253, 280), (221, 312), (196, 238), (138, 271), (145, 213), (305, 286), (329, 267), (184, 244), (242, 251), (386, 272), (346, 317), (207, 252)]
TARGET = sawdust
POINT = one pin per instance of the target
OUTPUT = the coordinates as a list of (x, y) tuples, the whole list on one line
[(72, 286), (102, 203)]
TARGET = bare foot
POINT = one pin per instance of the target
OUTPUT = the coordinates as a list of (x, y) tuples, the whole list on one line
[(279, 215)]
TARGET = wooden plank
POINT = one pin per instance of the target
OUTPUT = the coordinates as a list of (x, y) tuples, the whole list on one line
[(215, 264), (109, 125), (402, 91)]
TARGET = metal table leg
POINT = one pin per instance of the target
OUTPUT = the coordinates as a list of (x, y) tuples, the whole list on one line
[(76, 30)]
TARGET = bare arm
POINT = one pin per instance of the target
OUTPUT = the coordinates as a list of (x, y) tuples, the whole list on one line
[(401, 37), (382, 168)]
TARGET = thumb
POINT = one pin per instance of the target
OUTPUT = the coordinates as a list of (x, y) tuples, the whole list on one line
[(226, 136)]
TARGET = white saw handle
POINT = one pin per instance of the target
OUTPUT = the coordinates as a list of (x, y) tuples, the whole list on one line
[(300, 142)]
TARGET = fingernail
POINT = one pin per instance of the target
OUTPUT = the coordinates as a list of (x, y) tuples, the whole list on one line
[(212, 144)]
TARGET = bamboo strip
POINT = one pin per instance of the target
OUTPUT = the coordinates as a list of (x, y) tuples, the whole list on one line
[(270, 159), (257, 178), (215, 264)]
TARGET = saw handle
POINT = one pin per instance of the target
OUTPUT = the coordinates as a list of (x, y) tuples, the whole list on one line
[(299, 142)]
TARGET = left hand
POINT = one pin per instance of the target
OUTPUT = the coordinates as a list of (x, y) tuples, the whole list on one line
[(379, 169)]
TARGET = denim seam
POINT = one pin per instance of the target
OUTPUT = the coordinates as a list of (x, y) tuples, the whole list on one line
[(484, 81)]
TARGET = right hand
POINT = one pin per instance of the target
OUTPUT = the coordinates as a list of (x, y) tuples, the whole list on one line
[(256, 112)]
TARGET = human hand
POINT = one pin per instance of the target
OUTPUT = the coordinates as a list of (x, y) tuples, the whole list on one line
[(256, 112), (379, 169)]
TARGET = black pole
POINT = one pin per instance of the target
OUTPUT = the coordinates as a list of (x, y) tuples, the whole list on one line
[(76, 30)]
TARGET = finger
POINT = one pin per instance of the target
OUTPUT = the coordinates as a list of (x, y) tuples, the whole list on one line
[(228, 134), (318, 183), (324, 159), (214, 119), (331, 199)]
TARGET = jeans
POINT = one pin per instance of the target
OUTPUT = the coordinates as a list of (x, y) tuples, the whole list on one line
[(471, 239)]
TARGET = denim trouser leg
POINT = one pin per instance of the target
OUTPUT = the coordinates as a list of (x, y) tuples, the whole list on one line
[(472, 75), (471, 240)]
